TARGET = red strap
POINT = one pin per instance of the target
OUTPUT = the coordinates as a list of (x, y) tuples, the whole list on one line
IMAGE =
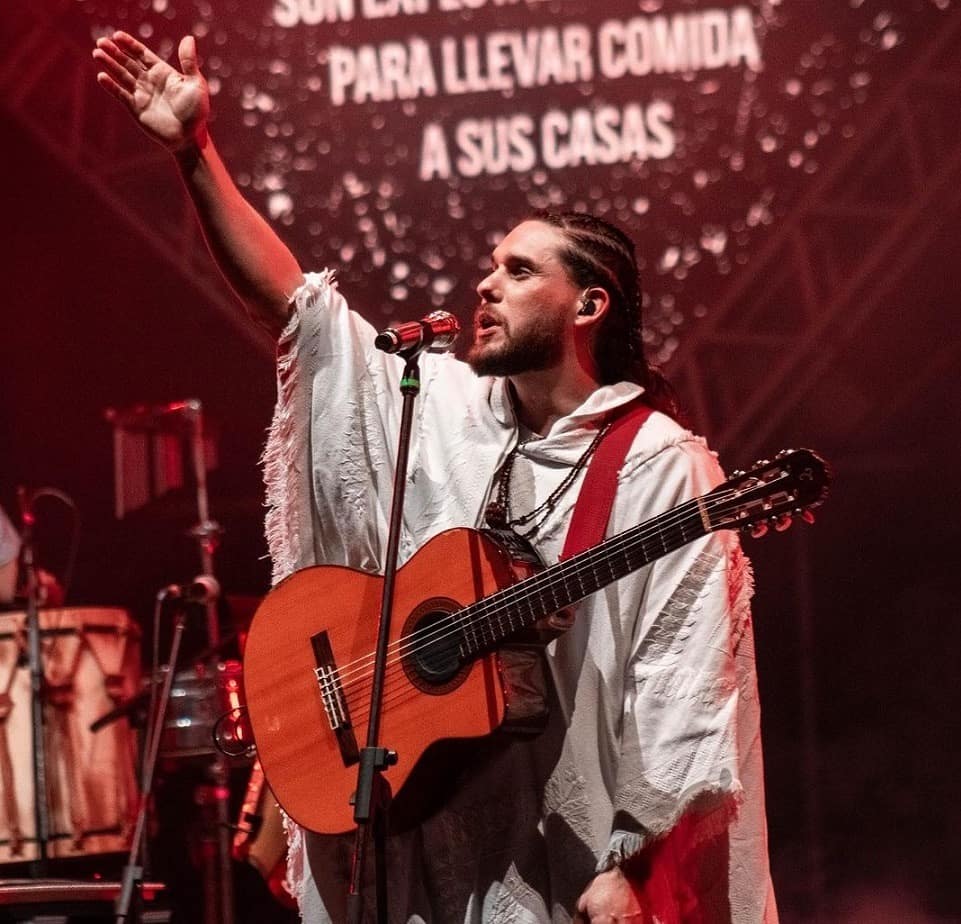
[(594, 503)]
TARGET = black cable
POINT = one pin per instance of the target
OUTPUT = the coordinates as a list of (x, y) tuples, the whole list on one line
[(74, 548)]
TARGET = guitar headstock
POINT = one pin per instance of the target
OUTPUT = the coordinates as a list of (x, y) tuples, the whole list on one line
[(771, 493)]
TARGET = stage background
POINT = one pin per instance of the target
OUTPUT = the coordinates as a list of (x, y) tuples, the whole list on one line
[(794, 199)]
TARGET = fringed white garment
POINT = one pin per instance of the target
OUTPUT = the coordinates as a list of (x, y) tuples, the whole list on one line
[(654, 735)]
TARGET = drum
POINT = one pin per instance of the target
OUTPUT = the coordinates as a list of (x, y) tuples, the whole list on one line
[(91, 662), (200, 697)]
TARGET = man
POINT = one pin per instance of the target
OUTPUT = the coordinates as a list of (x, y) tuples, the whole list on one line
[(643, 799)]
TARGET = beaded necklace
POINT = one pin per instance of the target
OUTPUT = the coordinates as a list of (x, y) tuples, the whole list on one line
[(498, 512)]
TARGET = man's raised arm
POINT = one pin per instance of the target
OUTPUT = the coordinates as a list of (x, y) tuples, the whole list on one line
[(172, 108)]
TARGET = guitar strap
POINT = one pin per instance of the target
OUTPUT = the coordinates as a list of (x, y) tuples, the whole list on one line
[(593, 507), (522, 665)]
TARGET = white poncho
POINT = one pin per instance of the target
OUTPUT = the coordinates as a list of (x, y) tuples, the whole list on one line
[(656, 716)]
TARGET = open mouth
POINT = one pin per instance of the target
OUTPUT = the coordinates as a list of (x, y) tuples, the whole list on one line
[(485, 321)]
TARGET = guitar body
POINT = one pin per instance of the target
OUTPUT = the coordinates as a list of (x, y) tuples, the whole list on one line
[(308, 763)]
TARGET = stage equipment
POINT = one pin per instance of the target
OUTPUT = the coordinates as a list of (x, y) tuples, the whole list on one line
[(90, 663), (148, 446), (370, 797), (38, 745), (149, 443), (131, 885), (436, 333), (259, 838), (66, 899), (200, 698)]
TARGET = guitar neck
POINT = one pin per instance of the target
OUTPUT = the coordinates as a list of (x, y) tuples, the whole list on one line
[(489, 621)]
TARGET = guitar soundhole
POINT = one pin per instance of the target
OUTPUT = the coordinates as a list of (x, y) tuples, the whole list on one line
[(432, 639)]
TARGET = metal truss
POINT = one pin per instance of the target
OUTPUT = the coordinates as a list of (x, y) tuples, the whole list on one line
[(803, 298), (47, 85)]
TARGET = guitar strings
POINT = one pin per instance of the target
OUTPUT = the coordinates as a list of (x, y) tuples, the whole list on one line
[(608, 548), (392, 691), (500, 601)]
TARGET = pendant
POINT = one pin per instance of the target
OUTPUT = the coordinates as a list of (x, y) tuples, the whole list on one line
[(495, 515)]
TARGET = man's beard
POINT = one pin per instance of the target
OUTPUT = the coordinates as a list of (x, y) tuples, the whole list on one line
[(533, 350)]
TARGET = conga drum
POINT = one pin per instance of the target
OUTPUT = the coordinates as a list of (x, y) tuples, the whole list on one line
[(91, 663)]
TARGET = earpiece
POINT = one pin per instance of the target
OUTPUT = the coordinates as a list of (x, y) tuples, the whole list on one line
[(587, 307)]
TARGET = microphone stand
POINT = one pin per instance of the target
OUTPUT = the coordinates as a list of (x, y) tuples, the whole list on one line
[(132, 878), (372, 796), (186, 418), (41, 810)]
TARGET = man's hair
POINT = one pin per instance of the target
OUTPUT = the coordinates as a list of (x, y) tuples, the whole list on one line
[(601, 254)]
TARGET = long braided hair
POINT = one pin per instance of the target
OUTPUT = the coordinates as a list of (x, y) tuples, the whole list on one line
[(601, 254)]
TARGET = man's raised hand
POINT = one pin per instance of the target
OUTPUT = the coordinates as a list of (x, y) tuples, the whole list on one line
[(170, 106)]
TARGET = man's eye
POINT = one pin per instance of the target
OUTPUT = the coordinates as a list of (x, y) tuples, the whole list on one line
[(521, 271)]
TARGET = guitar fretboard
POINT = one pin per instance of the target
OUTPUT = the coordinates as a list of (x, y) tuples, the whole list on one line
[(489, 621)]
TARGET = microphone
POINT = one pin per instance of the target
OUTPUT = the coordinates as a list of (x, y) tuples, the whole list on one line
[(203, 589), (437, 333)]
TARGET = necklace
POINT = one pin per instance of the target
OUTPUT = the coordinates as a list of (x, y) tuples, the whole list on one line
[(498, 512)]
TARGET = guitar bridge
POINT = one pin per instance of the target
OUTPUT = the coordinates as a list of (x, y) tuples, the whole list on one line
[(333, 698)]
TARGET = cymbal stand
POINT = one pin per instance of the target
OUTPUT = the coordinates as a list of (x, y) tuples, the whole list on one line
[(41, 810), (206, 532)]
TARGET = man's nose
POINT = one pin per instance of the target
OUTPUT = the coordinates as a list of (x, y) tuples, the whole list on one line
[(487, 288)]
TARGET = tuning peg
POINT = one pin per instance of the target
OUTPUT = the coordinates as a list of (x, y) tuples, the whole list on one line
[(783, 522), (783, 453), (737, 473), (761, 463), (758, 529), (807, 516)]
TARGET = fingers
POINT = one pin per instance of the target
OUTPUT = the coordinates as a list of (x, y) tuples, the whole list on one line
[(110, 52), (114, 89), (136, 50), (188, 56), (114, 70)]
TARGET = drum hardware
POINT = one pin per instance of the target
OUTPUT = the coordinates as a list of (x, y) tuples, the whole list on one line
[(206, 708), (134, 710), (233, 736)]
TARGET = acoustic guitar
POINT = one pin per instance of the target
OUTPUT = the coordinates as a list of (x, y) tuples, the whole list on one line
[(310, 651)]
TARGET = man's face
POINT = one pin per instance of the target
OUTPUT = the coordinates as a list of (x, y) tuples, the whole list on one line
[(527, 303)]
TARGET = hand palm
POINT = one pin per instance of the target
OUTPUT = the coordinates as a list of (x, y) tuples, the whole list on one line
[(167, 104), (170, 105)]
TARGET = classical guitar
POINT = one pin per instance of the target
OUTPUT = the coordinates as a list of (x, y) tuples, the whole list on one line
[(310, 651)]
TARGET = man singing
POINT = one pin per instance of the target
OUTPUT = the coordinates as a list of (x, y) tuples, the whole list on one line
[(642, 800)]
